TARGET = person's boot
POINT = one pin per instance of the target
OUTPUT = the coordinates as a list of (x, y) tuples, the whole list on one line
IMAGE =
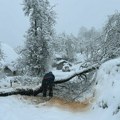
[(50, 95)]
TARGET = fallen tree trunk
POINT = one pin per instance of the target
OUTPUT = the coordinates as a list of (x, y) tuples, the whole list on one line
[(87, 70), (31, 92), (22, 91), (18, 91)]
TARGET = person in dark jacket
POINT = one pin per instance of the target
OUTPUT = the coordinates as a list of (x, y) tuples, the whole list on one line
[(47, 84)]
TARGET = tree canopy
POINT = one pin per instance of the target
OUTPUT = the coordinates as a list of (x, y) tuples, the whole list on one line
[(42, 19)]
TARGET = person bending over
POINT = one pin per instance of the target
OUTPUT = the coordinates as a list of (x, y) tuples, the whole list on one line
[(47, 84)]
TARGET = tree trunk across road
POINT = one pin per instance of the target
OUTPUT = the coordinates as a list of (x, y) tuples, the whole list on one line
[(31, 92)]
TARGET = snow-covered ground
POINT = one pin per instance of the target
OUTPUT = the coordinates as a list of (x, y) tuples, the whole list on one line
[(105, 106), (108, 88), (12, 108)]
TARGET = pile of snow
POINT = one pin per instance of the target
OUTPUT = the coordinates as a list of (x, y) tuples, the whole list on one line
[(108, 87), (9, 54)]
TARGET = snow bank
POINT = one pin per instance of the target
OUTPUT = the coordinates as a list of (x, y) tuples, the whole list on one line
[(108, 87)]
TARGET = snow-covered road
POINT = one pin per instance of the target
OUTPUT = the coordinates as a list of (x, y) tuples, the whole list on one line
[(13, 108)]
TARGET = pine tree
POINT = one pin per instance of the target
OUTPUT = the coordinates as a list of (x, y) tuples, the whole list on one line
[(39, 35)]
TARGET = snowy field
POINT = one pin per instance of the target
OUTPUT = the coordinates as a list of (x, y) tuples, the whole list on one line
[(105, 106)]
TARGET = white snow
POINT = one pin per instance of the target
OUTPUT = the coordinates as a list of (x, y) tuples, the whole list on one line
[(107, 93), (60, 75), (12, 108), (108, 87), (9, 54)]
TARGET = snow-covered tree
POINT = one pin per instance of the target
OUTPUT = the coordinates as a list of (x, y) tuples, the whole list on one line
[(89, 43), (111, 36), (81, 39), (42, 19), (65, 45), (1, 53), (70, 47)]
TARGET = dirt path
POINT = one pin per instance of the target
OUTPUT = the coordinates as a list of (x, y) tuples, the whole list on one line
[(57, 102), (69, 105)]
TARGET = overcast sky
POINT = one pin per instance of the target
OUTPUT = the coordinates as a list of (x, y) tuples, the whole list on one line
[(71, 15)]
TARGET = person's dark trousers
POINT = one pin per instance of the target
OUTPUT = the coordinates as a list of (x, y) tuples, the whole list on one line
[(50, 91), (45, 91), (47, 85)]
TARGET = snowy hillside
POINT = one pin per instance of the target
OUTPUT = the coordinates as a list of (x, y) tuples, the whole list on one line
[(108, 87), (9, 53)]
